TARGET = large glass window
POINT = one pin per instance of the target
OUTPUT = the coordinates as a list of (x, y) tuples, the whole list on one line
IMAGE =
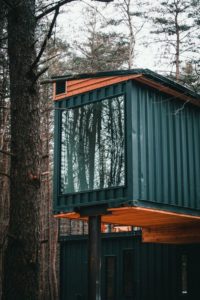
[(92, 146)]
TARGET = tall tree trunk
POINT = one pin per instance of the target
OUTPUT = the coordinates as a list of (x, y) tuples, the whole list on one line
[(23, 235), (4, 174), (4, 142), (48, 225), (177, 56), (131, 35)]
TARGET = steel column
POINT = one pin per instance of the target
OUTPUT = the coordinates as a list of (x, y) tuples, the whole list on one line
[(94, 258)]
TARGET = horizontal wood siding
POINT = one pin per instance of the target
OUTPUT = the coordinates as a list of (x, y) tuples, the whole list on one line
[(79, 86)]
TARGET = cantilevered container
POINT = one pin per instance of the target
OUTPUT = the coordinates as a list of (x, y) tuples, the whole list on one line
[(127, 146)]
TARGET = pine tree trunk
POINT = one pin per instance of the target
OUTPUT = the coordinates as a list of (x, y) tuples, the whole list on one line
[(177, 56), (131, 35), (21, 259), (4, 141), (48, 227)]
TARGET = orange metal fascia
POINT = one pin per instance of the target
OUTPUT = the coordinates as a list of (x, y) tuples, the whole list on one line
[(79, 86), (71, 215)]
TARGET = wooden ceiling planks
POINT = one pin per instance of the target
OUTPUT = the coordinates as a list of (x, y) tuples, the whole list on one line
[(145, 217), (185, 234), (158, 226)]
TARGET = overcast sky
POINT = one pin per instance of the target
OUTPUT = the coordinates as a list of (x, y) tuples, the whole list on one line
[(71, 21)]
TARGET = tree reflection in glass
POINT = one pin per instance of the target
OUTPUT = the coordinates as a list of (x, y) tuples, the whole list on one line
[(92, 146)]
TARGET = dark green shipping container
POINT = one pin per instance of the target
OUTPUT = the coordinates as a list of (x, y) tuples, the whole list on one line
[(131, 270), (160, 146)]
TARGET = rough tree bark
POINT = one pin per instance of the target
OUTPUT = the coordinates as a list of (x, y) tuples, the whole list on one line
[(48, 225), (177, 54), (4, 176), (4, 141), (21, 258), (22, 267)]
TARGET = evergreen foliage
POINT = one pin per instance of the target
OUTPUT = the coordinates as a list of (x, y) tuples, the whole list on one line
[(175, 28)]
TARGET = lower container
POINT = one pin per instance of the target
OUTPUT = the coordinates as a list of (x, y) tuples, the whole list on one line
[(131, 270)]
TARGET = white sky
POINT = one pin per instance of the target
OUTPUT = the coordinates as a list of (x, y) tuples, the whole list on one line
[(71, 21)]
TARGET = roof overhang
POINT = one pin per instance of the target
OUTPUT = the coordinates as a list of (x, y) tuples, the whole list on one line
[(77, 84), (158, 226)]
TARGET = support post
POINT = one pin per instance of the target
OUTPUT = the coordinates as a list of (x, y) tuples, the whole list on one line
[(94, 258)]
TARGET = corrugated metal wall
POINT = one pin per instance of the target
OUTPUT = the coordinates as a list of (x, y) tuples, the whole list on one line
[(162, 150), (165, 144), (156, 269), (61, 202)]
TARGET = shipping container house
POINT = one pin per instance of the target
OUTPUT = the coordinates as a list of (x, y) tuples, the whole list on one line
[(127, 147)]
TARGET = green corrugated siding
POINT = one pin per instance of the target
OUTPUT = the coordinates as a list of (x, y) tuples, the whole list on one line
[(162, 151), (156, 273), (69, 201), (165, 147)]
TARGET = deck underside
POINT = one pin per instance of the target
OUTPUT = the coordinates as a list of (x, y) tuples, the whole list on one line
[(158, 226)]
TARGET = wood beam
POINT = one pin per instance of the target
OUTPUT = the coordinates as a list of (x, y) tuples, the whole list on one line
[(172, 234)]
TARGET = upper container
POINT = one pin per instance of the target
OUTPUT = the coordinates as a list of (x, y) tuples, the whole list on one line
[(126, 138)]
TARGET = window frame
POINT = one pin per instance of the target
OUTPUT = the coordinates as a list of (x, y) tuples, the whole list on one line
[(79, 105), (104, 197)]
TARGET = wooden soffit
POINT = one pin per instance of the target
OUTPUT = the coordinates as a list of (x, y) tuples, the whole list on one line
[(157, 226), (172, 234)]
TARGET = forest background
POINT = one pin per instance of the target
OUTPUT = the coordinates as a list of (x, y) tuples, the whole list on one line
[(39, 39)]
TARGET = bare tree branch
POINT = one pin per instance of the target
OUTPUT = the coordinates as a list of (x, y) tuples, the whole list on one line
[(41, 72), (181, 108), (4, 107), (59, 4), (4, 174), (53, 8), (46, 39), (4, 38), (6, 152), (8, 4), (48, 59)]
